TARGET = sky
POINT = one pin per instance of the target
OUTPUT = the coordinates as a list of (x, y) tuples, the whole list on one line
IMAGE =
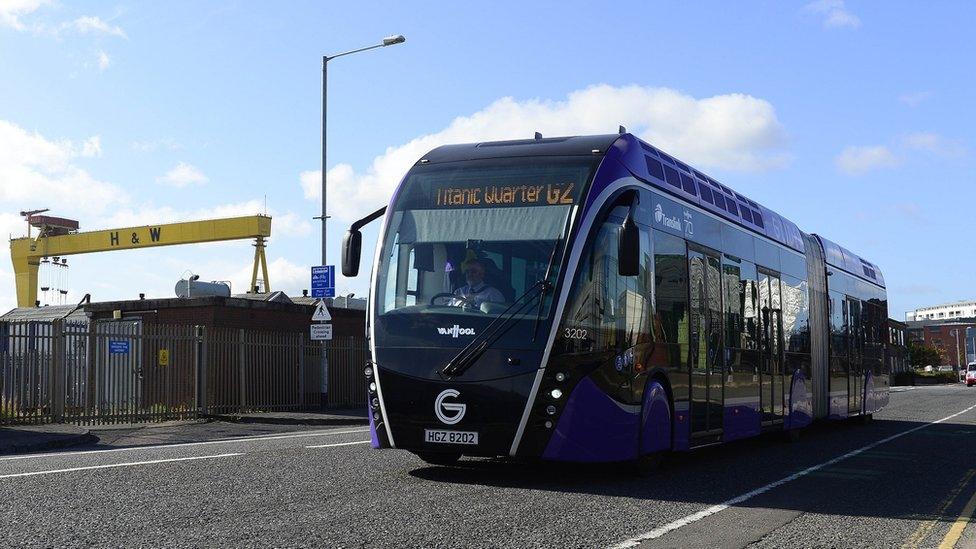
[(853, 119)]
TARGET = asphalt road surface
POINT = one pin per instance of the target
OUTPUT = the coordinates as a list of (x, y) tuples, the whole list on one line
[(906, 479)]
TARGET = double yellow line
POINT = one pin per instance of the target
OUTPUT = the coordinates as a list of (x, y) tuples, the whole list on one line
[(955, 532)]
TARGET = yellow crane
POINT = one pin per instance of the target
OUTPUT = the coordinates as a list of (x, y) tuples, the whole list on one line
[(57, 238)]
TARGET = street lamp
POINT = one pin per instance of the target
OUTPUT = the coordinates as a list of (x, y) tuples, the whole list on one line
[(388, 41)]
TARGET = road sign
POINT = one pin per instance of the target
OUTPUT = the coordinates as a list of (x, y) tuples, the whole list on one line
[(164, 357), (118, 347), (323, 281), (321, 332), (321, 313)]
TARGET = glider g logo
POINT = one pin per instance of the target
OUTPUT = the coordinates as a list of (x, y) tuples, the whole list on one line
[(658, 213), (457, 409)]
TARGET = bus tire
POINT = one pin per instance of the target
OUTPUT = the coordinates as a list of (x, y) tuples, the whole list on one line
[(435, 458), (646, 466)]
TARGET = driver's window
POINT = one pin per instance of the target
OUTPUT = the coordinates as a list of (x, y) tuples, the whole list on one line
[(606, 311)]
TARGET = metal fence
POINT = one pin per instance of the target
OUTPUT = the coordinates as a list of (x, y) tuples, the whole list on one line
[(130, 371)]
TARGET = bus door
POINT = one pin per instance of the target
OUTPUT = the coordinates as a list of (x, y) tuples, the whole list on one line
[(771, 386), (705, 341), (855, 338)]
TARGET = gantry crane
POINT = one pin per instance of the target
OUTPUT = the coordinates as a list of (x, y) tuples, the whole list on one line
[(58, 237)]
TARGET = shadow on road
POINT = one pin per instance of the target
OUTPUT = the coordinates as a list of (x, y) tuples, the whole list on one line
[(908, 477)]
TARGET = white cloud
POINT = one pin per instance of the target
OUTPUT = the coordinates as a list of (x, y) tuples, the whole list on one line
[(12, 10), (94, 25), (92, 147), (103, 61), (915, 98), (183, 174), (311, 181), (933, 143), (733, 131), (859, 160), (33, 168), (289, 224), (835, 14)]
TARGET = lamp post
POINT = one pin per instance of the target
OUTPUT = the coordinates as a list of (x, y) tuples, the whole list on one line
[(388, 41)]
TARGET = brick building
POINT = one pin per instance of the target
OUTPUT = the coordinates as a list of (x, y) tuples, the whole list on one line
[(948, 336)]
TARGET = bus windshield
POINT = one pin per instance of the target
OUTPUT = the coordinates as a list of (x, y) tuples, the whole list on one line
[(469, 238)]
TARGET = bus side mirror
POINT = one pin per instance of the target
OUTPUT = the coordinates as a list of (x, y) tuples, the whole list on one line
[(352, 245), (628, 248)]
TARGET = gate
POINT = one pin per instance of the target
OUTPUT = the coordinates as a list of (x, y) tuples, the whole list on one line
[(127, 371)]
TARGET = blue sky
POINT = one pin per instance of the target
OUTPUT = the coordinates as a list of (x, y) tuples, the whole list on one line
[(853, 119)]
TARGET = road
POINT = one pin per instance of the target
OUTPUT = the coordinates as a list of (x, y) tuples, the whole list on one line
[(901, 480)]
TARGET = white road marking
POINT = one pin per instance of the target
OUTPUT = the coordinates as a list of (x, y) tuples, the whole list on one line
[(187, 444), (709, 511), (111, 465), (338, 444)]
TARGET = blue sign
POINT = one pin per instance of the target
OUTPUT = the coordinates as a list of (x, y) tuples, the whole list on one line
[(118, 347), (323, 281)]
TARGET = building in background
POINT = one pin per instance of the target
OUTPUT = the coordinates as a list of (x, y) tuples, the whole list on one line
[(947, 311), (898, 359), (948, 336)]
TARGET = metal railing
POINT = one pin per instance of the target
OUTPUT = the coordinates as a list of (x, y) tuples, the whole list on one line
[(122, 371)]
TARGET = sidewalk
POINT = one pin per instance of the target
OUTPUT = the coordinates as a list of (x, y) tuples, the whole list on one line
[(36, 438), (330, 417)]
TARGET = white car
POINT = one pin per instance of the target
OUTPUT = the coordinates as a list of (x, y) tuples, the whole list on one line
[(971, 374)]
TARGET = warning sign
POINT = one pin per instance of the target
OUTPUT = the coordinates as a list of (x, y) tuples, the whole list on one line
[(321, 313)]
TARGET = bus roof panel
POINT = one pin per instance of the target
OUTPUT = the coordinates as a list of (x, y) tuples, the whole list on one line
[(553, 146)]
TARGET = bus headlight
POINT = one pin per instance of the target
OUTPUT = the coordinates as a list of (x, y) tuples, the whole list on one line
[(556, 393), (375, 402), (560, 377), (372, 386), (551, 410), (368, 372)]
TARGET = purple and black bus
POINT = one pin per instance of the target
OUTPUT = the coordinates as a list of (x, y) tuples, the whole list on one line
[(595, 299)]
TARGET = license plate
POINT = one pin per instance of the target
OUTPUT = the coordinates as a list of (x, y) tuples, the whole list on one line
[(450, 437)]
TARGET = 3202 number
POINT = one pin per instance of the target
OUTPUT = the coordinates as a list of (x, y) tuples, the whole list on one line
[(574, 333)]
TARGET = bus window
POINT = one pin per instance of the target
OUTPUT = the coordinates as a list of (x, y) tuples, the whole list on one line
[(606, 311), (671, 300)]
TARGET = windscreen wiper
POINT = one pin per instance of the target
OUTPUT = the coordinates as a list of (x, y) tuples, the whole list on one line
[(470, 353), (545, 278)]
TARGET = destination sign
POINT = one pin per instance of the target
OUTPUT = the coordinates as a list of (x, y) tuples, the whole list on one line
[(468, 196)]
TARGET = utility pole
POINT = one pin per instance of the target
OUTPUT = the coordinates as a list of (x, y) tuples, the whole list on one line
[(388, 41)]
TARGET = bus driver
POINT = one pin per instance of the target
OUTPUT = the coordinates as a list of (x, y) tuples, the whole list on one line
[(476, 291)]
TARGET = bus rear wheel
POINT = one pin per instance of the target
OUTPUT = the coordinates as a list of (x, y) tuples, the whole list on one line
[(438, 458)]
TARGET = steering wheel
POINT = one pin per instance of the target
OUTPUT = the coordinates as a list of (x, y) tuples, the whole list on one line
[(467, 301)]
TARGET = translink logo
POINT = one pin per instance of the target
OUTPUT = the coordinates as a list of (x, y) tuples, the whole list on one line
[(455, 331), (663, 219)]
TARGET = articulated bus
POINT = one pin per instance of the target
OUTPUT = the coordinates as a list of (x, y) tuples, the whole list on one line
[(594, 299)]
